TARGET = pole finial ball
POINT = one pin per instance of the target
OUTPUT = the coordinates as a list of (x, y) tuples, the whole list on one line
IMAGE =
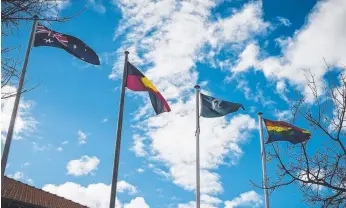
[(197, 87), (126, 52), (259, 113)]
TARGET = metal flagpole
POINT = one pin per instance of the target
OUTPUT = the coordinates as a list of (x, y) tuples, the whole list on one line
[(118, 136), (263, 157), (16, 101), (197, 87)]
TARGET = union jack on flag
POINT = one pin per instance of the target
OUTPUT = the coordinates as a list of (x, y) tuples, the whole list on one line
[(51, 34), (47, 37)]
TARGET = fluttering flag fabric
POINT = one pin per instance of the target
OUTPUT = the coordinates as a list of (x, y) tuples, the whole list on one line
[(136, 81), (212, 107), (47, 37), (282, 131)]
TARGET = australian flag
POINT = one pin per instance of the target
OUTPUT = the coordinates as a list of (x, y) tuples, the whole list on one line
[(47, 37), (212, 107)]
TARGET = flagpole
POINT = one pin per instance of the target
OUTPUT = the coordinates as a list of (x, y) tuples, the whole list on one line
[(16, 101), (118, 137), (263, 157), (197, 87)]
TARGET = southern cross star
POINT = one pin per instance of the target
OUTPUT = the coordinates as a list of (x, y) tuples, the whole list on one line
[(48, 40)]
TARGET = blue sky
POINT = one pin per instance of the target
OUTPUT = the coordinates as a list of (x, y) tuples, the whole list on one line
[(251, 52)]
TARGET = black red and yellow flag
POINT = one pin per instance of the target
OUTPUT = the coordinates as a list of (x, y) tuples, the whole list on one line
[(136, 81)]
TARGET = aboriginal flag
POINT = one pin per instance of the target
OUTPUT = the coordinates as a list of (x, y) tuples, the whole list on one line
[(136, 81)]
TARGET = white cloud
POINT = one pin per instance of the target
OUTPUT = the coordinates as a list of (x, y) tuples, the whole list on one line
[(282, 42), (82, 136), (20, 176), (162, 173), (181, 29), (284, 21), (97, 6), (314, 175), (114, 75), (25, 123), (63, 4), (138, 146), (242, 25), (210, 200), (94, 195), (178, 34), (59, 149), (136, 203), (123, 186), (256, 96), (281, 86), (17, 175), (206, 202), (243, 85), (140, 170), (247, 199), (142, 111), (56, 7), (247, 59), (220, 139), (284, 115), (30, 181), (26, 164), (192, 204), (105, 120), (323, 36), (64, 142), (40, 147), (82, 166)]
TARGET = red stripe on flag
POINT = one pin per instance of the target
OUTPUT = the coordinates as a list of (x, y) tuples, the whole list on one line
[(135, 83), (166, 107)]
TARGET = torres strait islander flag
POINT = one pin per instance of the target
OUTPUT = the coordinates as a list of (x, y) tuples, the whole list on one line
[(136, 81)]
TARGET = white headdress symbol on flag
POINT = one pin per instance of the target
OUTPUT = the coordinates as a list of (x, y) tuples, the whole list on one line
[(216, 103)]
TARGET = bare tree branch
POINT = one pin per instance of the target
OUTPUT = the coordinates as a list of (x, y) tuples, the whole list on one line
[(319, 173), (13, 13)]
